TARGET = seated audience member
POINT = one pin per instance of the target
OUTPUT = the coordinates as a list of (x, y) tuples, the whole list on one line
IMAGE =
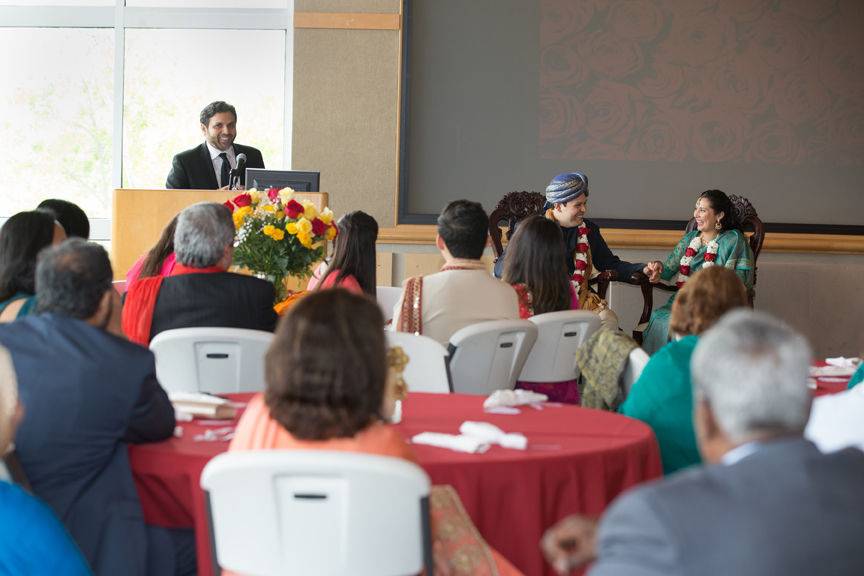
[(837, 420), (87, 393), (70, 216), (769, 503), (536, 267), (463, 292), (662, 397), (200, 291), (159, 260), (353, 264), (327, 389), (32, 540), (21, 239)]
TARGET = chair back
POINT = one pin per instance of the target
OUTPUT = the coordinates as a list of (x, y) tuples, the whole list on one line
[(214, 360), (512, 208), (559, 336), (489, 356), (427, 365), (387, 297), (636, 362), (318, 513)]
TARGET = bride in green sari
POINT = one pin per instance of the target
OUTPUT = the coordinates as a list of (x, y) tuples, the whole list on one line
[(716, 240)]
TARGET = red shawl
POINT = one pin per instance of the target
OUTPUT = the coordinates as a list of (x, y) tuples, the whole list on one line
[(141, 301)]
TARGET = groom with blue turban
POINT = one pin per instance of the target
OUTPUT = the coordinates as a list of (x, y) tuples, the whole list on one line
[(566, 204)]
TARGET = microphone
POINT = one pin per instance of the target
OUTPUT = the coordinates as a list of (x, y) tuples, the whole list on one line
[(238, 171)]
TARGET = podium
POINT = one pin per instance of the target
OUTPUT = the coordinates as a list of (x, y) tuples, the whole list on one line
[(139, 216)]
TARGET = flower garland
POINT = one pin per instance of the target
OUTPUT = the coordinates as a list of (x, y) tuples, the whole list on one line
[(580, 259), (690, 252)]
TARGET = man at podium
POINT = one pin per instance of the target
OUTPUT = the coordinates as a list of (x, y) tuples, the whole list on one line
[(208, 166)]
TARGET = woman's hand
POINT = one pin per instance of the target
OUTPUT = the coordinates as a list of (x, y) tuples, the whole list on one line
[(653, 270)]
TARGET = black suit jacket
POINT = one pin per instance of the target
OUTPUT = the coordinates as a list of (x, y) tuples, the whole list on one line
[(223, 299), (193, 169), (86, 394)]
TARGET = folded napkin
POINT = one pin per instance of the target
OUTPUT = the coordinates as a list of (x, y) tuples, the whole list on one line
[(204, 405), (513, 398), (842, 362), (491, 434), (455, 442)]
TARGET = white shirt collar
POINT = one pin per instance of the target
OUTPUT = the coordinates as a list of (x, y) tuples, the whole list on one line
[(215, 152), (739, 453)]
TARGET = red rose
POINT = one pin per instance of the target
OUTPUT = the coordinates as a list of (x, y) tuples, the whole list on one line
[(242, 200), (583, 230), (710, 257), (319, 228), (684, 270), (690, 252), (293, 209), (578, 278), (229, 205), (582, 247), (272, 193), (581, 265), (679, 283)]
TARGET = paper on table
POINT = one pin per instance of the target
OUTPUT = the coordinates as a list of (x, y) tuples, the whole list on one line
[(202, 405), (821, 371), (455, 442), (843, 362)]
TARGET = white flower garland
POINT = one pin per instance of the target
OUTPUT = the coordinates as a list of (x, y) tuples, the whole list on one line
[(581, 255), (690, 252)]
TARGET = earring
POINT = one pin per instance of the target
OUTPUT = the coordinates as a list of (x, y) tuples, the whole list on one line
[(717, 226)]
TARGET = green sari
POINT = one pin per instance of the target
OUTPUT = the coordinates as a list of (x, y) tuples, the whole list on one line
[(733, 252)]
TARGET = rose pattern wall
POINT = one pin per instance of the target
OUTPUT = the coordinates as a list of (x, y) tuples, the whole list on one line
[(749, 81)]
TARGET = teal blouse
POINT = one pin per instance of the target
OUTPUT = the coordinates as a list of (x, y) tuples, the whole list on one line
[(29, 305), (857, 377), (662, 397)]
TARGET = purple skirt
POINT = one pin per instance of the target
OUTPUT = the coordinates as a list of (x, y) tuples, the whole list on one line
[(566, 392)]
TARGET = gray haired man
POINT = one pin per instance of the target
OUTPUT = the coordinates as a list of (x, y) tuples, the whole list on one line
[(200, 291), (768, 503)]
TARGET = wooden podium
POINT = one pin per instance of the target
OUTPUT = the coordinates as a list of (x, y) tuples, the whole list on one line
[(139, 216)]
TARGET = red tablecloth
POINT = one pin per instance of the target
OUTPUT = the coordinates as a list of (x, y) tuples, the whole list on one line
[(577, 460), (829, 384)]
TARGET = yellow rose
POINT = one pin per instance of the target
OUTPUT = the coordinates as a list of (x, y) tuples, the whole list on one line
[(268, 208), (331, 233), (285, 195), (304, 226), (255, 195), (305, 239), (291, 228), (326, 216), (240, 215), (274, 233), (309, 210)]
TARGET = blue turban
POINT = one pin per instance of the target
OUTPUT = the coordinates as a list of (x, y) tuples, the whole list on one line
[(565, 187)]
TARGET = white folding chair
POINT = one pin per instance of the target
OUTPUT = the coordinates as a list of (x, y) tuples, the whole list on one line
[(635, 364), (215, 360), (317, 513), (387, 297), (427, 366), (488, 356), (559, 336)]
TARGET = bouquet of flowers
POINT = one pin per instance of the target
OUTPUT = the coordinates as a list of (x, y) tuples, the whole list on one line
[(279, 236)]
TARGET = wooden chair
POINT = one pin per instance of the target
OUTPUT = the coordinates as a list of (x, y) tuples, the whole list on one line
[(750, 222), (512, 208)]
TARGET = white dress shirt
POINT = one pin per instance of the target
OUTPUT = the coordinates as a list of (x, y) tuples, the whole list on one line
[(217, 161)]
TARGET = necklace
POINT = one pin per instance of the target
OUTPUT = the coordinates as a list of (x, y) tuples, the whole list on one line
[(690, 252), (580, 258)]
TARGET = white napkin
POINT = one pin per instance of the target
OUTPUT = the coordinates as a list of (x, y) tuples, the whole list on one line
[(842, 362), (491, 434), (455, 442), (513, 398)]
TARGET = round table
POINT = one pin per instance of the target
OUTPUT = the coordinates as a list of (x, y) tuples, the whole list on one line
[(577, 461)]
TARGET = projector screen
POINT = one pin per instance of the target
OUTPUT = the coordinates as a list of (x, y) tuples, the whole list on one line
[(655, 100)]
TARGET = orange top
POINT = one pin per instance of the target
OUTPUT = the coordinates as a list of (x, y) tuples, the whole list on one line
[(258, 431)]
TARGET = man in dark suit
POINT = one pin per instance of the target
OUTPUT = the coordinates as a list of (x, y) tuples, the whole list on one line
[(768, 503), (200, 291), (207, 166), (87, 393)]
